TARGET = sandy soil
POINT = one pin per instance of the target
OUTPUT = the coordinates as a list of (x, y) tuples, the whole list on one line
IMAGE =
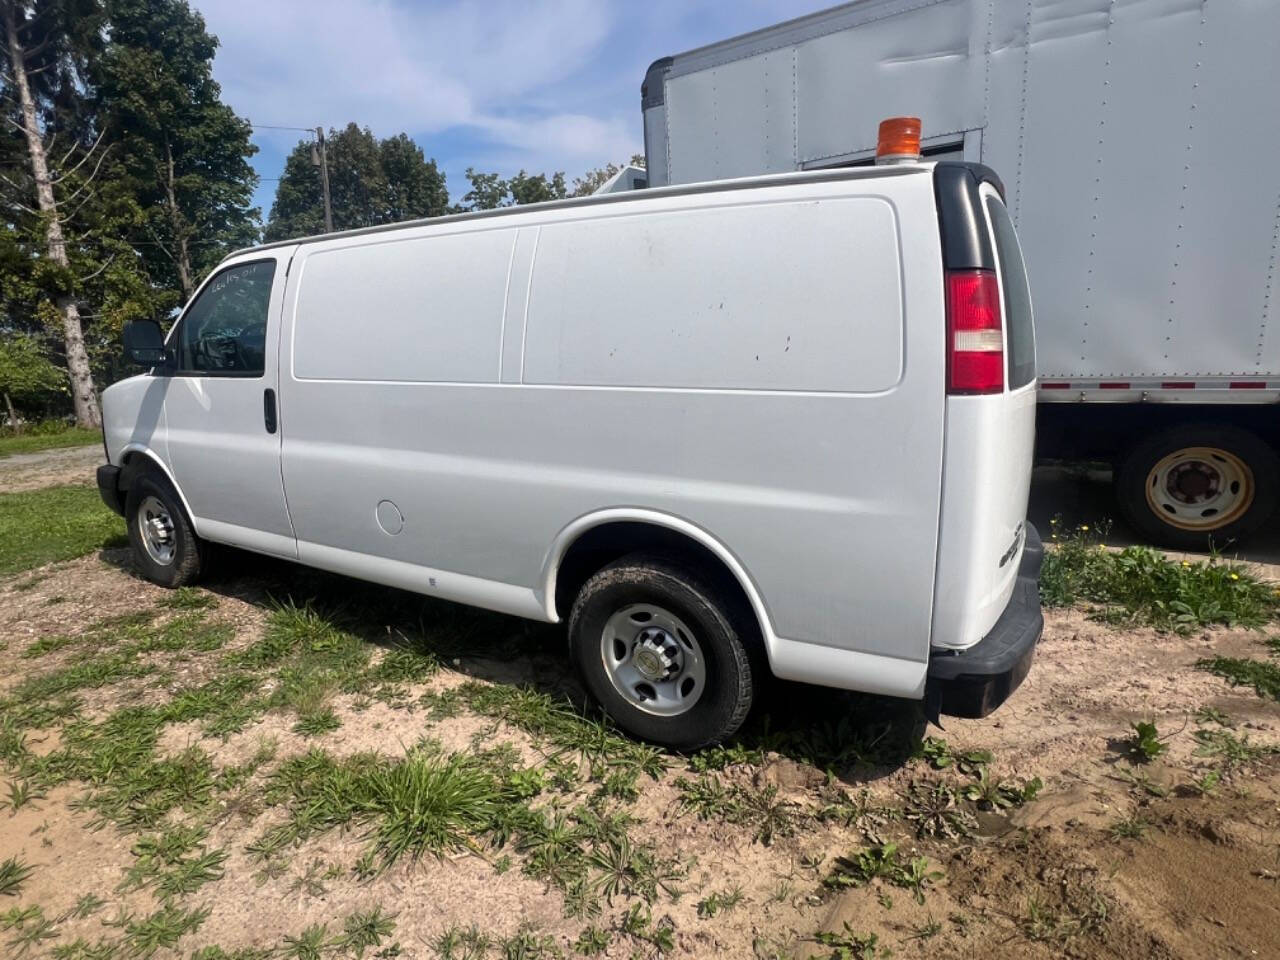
[(50, 468), (1049, 879)]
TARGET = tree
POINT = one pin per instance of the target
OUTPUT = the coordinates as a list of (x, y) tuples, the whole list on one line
[(26, 375), (41, 64), (593, 180), (414, 187), (370, 182), (489, 191), (185, 152)]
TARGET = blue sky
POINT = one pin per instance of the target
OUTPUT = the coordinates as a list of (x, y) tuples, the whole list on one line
[(541, 85)]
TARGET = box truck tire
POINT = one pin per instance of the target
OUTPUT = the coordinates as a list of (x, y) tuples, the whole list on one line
[(658, 650), (1198, 485)]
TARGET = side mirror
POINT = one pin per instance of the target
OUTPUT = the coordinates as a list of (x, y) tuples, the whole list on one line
[(144, 343)]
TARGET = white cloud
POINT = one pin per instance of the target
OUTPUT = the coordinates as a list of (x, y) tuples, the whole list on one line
[(420, 68)]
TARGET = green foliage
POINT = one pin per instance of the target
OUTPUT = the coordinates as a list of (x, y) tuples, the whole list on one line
[(719, 757), (941, 756), (26, 373), (992, 793), (46, 435), (13, 873), (1139, 585), (1145, 744), (720, 901), (52, 524), (849, 945), (1084, 912), (1131, 828), (593, 180), (362, 930), (184, 154), (883, 861), (1262, 675), (149, 171), (932, 807), (1231, 751), (710, 799), (591, 942), (489, 191), (371, 182)]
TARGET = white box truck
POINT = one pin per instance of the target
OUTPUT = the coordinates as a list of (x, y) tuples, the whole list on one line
[(1137, 140)]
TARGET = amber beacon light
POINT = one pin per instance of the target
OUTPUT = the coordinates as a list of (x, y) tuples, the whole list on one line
[(899, 140)]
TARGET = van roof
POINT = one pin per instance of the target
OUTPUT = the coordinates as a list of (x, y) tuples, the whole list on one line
[(630, 196)]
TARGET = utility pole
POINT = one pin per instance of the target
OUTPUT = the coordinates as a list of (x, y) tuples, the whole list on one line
[(322, 161)]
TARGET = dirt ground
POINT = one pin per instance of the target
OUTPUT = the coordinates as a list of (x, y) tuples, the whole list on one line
[(1113, 857), (49, 468)]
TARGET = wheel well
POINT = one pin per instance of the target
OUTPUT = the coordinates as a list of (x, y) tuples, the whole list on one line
[(132, 464), (602, 545)]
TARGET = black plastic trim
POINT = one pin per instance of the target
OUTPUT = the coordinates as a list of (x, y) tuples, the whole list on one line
[(109, 488), (653, 90), (973, 682), (966, 243)]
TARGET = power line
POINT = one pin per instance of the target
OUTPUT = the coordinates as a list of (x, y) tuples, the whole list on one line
[(268, 126)]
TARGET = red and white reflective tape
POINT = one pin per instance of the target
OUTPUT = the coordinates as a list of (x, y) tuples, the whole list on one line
[(1207, 389)]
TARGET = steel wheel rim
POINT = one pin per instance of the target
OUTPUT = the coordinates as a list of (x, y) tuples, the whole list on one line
[(1200, 488), (156, 527), (653, 659)]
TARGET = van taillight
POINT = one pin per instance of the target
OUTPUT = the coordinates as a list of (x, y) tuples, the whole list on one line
[(975, 339)]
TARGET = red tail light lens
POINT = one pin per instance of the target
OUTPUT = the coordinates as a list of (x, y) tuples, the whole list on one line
[(975, 336)]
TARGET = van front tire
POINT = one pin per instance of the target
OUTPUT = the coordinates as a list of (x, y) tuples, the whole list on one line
[(658, 649), (166, 549)]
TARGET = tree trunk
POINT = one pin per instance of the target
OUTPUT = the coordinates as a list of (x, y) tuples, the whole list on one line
[(82, 391), (183, 258), (13, 414)]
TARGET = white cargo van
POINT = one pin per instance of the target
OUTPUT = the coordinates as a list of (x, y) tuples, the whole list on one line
[(778, 424)]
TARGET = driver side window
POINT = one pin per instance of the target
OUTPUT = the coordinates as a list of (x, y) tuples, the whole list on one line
[(224, 332)]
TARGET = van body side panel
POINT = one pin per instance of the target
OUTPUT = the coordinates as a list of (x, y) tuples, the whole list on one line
[(821, 479)]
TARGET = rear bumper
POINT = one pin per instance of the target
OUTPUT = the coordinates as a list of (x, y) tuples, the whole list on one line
[(974, 681), (109, 487)]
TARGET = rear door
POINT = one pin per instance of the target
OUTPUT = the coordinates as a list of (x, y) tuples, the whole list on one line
[(220, 406), (990, 433)]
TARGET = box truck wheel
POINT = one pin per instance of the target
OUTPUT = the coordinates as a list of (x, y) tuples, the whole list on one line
[(165, 548), (1197, 485), (658, 649)]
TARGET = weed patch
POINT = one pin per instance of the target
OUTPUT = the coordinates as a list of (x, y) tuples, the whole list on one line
[(1139, 585), (1262, 675), (762, 810), (884, 862)]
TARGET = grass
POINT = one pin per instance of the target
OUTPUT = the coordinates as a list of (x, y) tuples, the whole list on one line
[(761, 810), (1139, 585), (848, 944), (13, 874), (1262, 675), (425, 802), (884, 862), (53, 524), (47, 436)]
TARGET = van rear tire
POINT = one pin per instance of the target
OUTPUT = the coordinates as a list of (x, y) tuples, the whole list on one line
[(658, 649), (1199, 486), (166, 549)]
